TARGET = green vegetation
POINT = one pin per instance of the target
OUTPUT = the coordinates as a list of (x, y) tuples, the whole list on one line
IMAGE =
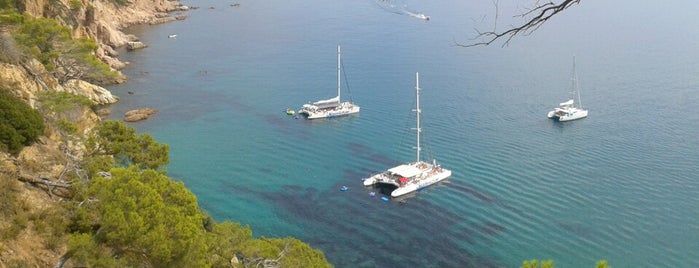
[(134, 215), (549, 264), (52, 44), (602, 264), (11, 207), (121, 141), (535, 264), (20, 125), (117, 208), (144, 217), (40, 39), (75, 4), (59, 102)]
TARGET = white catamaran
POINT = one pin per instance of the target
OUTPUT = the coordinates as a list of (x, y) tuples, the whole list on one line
[(412, 176), (330, 107), (568, 110)]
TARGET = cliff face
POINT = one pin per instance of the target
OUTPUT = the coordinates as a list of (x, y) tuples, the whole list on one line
[(27, 80), (48, 158), (103, 20), (100, 20)]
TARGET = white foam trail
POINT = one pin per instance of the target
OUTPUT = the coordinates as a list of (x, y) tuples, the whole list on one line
[(400, 9)]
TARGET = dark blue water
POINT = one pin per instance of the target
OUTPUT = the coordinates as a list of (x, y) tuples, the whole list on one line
[(621, 185)]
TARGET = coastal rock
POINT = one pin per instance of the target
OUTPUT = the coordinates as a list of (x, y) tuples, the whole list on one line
[(139, 114), (96, 94), (29, 80), (135, 45), (104, 112), (162, 20), (21, 83)]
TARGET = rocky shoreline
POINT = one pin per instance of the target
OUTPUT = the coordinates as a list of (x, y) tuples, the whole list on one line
[(102, 21)]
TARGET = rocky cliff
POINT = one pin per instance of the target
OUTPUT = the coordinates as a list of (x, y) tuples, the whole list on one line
[(41, 165), (27, 80), (104, 20)]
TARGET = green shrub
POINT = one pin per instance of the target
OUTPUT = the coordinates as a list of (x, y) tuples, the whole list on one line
[(58, 101), (20, 125), (75, 4), (52, 44), (67, 126)]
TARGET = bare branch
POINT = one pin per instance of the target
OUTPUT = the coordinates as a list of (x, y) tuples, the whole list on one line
[(541, 12), (495, 23)]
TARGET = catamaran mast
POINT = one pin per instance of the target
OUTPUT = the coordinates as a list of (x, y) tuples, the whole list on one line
[(417, 112), (575, 85), (338, 73)]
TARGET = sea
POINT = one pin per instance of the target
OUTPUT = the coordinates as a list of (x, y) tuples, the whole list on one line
[(621, 185)]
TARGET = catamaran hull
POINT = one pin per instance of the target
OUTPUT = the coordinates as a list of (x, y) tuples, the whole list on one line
[(568, 116), (330, 114), (414, 186)]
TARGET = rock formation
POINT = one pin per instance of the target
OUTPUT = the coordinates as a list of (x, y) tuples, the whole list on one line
[(28, 80), (135, 45), (96, 94), (139, 114)]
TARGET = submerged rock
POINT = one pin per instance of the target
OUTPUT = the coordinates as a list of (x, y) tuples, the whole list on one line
[(139, 114)]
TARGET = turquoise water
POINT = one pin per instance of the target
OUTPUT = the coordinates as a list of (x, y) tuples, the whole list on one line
[(621, 185)]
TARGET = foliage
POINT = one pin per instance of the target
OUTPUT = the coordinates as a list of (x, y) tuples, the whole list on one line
[(92, 165), (549, 264), (223, 239), (67, 126), (119, 140), (8, 49), (10, 5), (149, 220), (39, 37), (8, 13), (59, 101), (52, 44), (144, 217), (85, 252), (11, 208), (75, 4), (50, 224), (535, 264), (78, 61), (287, 252), (20, 125)]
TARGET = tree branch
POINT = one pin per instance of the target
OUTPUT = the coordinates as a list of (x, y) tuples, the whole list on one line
[(541, 12)]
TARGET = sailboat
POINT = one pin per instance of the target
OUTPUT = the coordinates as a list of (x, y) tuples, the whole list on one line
[(569, 110), (331, 107), (413, 176)]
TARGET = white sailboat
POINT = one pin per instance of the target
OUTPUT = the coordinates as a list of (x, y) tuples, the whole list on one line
[(331, 107), (412, 176), (569, 110)]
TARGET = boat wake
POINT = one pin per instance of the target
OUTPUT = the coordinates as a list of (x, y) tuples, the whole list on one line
[(400, 8)]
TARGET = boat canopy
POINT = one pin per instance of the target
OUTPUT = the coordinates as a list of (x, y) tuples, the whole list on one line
[(405, 171), (329, 103), (567, 103)]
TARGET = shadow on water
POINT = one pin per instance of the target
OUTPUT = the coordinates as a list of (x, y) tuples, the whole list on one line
[(356, 229)]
